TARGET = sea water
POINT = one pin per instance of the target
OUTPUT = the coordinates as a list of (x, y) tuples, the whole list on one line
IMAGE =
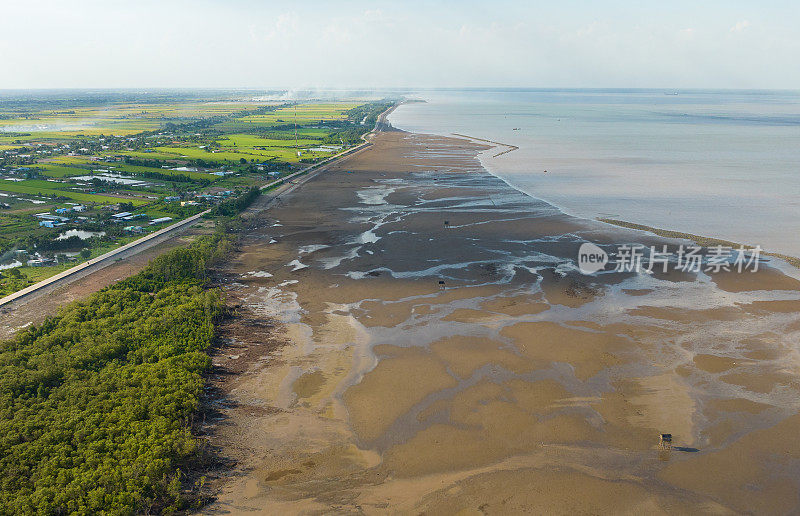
[(723, 164)]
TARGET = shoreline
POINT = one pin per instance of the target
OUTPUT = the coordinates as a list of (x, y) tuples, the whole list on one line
[(511, 148), (703, 241), (697, 239), (793, 261)]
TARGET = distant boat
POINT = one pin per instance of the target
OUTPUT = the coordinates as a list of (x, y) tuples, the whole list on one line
[(673, 93), (515, 129)]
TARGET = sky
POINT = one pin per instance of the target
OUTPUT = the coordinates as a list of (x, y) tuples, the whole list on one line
[(405, 44)]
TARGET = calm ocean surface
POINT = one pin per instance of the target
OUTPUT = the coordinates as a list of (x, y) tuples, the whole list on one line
[(715, 163)]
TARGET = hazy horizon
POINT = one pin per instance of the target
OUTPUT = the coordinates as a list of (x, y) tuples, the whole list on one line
[(393, 89), (245, 44)]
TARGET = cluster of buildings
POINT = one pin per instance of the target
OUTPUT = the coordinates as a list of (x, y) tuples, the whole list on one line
[(41, 261), (48, 220), (62, 217), (28, 150), (213, 197), (127, 216), (154, 222), (15, 171)]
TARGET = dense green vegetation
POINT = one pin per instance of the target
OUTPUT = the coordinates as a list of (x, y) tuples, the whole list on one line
[(368, 113), (12, 280), (96, 403), (361, 121), (238, 204)]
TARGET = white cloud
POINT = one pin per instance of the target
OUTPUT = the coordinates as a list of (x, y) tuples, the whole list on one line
[(740, 26)]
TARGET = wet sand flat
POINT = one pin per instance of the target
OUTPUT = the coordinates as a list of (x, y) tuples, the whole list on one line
[(516, 385)]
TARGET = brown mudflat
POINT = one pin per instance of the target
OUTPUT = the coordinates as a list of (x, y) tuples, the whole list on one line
[(517, 385)]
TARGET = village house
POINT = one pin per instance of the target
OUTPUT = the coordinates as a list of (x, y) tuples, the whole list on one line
[(52, 218)]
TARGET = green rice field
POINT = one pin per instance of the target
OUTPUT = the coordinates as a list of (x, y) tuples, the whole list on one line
[(47, 188)]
